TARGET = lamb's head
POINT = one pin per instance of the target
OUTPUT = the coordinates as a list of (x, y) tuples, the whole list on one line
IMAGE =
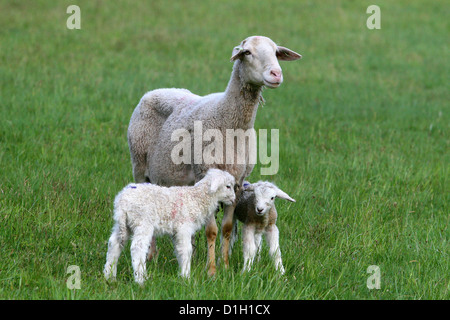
[(221, 184), (259, 61), (265, 194)]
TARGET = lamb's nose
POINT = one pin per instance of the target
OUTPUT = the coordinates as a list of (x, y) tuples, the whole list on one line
[(259, 210)]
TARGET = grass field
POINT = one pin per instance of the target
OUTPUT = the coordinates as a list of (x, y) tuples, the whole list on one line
[(363, 122)]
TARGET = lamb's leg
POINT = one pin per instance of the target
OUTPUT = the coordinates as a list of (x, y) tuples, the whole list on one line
[(234, 236), (248, 245), (115, 245), (258, 244), (194, 247), (227, 227), (139, 247), (211, 235), (183, 249), (272, 237), (152, 249)]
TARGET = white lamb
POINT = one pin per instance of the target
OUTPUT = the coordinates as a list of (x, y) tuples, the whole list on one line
[(161, 112), (146, 210), (256, 209)]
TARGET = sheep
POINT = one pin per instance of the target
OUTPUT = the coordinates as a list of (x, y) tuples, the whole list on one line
[(161, 112), (256, 210), (148, 210)]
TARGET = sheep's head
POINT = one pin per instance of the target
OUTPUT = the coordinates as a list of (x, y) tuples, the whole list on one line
[(265, 194), (221, 183), (259, 57)]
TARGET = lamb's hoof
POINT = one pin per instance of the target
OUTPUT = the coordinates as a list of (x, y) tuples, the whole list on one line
[(212, 271)]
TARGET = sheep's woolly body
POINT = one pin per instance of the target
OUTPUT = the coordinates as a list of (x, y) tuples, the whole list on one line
[(169, 210), (162, 111)]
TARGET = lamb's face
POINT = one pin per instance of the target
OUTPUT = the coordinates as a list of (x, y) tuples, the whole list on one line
[(264, 199), (259, 56), (222, 185), (226, 193), (265, 194)]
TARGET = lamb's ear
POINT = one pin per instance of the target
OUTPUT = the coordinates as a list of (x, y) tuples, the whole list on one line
[(286, 54), (215, 184), (283, 195), (237, 53), (247, 186)]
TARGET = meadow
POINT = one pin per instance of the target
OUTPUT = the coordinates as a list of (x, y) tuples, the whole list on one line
[(363, 123)]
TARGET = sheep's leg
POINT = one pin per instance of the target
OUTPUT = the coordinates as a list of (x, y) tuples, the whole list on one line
[(211, 235), (258, 244), (194, 248), (227, 226), (249, 246), (115, 245), (139, 247), (233, 237), (138, 154), (183, 247), (139, 168), (139, 165), (183, 250), (272, 237)]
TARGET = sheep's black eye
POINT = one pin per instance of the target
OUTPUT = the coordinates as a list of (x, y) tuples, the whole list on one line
[(247, 52), (228, 187), (272, 198)]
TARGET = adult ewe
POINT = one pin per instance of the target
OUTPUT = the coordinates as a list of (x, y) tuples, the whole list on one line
[(160, 112)]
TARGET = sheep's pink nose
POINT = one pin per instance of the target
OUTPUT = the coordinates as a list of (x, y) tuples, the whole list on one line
[(276, 74)]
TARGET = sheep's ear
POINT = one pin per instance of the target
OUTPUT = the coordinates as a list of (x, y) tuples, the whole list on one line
[(286, 54), (283, 195), (215, 184), (237, 53)]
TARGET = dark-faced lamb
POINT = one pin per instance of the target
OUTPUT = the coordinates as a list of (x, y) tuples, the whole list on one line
[(256, 210)]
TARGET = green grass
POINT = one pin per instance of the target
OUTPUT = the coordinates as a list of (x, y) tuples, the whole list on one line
[(364, 143)]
